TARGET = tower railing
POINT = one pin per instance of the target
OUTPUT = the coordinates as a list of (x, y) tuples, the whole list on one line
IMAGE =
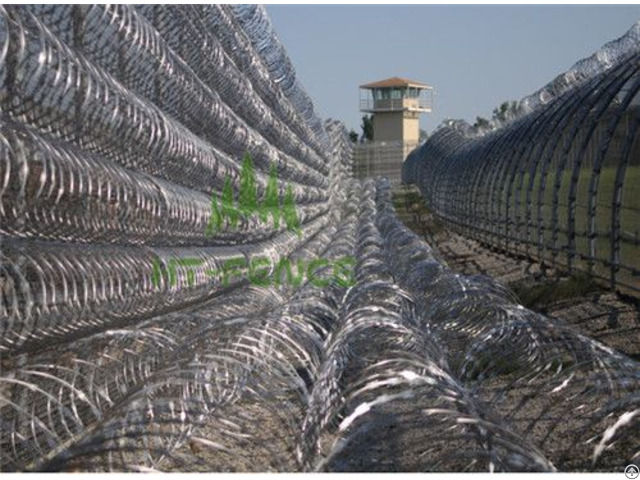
[(420, 104)]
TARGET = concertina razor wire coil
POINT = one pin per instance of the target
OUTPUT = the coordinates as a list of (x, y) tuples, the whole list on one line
[(118, 123)]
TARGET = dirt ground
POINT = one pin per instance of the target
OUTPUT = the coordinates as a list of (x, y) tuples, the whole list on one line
[(610, 317)]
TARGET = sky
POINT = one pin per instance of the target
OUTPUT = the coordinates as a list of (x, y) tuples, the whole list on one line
[(475, 56)]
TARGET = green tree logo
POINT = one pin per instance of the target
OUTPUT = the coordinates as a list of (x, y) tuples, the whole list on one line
[(226, 208)]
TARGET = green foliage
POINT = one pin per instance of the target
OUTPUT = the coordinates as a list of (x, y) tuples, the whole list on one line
[(248, 195), (506, 110), (248, 201), (367, 128), (481, 123), (271, 201), (289, 211)]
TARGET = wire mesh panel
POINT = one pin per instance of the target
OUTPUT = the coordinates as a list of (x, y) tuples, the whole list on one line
[(381, 159)]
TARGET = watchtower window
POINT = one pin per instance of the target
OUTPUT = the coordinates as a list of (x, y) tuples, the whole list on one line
[(394, 95)]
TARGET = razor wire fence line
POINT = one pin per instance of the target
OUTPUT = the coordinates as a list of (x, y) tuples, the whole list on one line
[(121, 128), (118, 126), (334, 379), (560, 184)]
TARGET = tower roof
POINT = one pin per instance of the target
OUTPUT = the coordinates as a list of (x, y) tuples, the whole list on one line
[(395, 82)]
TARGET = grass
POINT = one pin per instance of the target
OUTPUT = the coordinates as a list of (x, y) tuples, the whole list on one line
[(535, 296), (539, 296), (409, 204)]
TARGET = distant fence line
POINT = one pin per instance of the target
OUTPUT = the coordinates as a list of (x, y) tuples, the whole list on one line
[(381, 159), (561, 184)]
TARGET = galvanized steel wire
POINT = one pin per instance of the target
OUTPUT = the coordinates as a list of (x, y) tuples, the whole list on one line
[(117, 124)]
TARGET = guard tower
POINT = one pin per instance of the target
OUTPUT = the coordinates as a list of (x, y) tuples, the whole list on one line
[(396, 104)]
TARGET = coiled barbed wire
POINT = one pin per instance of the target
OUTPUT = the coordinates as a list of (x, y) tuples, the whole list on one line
[(385, 400), (122, 352), (249, 355), (112, 143), (532, 370)]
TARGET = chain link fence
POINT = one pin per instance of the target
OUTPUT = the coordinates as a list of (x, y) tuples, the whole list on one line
[(381, 159)]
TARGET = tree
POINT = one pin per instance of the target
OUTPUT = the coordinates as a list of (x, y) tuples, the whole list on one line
[(367, 128), (353, 136), (481, 124), (289, 211), (506, 111), (248, 198), (271, 201)]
